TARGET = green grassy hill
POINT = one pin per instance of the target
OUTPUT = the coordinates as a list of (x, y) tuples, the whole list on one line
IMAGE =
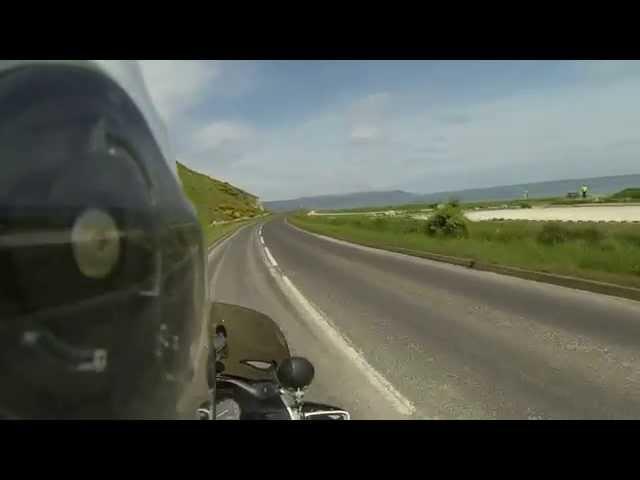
[(217, 202)]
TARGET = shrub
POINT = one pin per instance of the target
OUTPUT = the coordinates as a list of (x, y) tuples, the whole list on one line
[(552, 234), (525, 205), (454, 202), (447, 222)]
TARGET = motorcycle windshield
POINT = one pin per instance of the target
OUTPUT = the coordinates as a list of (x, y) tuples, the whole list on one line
[(255, 344)]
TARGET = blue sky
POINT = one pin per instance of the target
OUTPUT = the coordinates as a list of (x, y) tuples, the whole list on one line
[(284, 129)]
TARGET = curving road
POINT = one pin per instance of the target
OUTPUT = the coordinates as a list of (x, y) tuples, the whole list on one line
[(435, 340)]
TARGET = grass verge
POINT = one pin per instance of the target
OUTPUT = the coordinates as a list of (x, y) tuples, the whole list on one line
[(602, 252)]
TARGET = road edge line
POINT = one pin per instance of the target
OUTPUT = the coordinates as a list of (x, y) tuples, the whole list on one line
[(222, 240), (219, 241), (403, 405)]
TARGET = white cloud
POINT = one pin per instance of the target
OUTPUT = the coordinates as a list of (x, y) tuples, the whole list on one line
[(364, 133), (219, 146), (366, 117), (381, 141), (373, 105), (571, 132), (560, 133), (176, 86), (217, 134)]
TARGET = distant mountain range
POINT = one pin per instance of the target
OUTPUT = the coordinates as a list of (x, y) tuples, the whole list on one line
[(349, 200), (597, 186)]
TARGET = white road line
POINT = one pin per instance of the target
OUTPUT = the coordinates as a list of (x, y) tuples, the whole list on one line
[(388, 253), (262, 240), (212, 251), (271, 259), (403, 405), (210, 282)]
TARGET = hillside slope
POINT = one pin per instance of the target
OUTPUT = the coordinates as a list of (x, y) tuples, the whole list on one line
[(217, 203)]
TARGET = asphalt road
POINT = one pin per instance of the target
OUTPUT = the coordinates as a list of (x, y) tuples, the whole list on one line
[(436, 340)]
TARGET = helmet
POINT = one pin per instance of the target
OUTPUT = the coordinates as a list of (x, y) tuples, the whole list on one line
[(102, 259)]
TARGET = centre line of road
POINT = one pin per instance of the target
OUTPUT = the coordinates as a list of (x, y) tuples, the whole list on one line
[(315, 317)]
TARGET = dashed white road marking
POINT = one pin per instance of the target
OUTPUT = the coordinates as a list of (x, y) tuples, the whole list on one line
[(262, 240), (403, 405)]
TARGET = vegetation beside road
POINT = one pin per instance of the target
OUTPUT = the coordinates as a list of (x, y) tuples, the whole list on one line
[(215, 232), (221, 207), (602, 252)]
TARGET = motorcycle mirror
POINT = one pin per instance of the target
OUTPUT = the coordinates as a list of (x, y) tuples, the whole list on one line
[(295, 373)]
